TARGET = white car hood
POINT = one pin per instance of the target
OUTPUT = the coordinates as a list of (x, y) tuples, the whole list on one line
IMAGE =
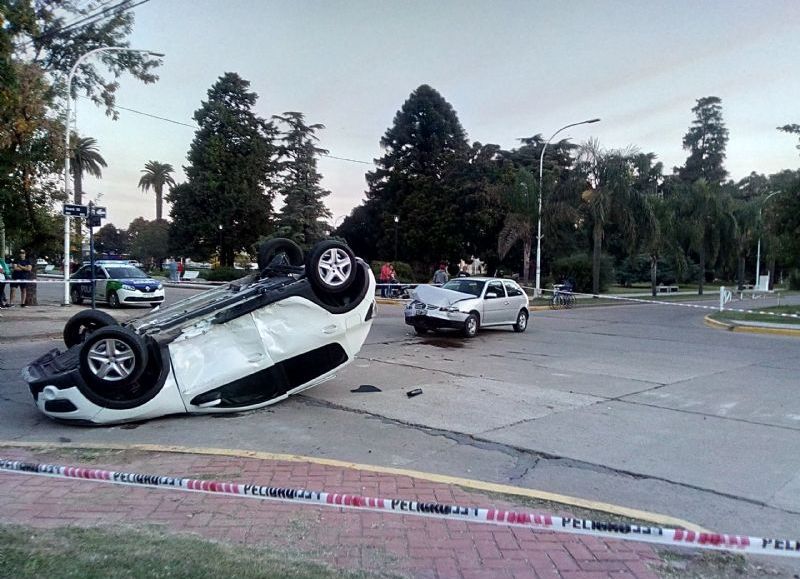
[(437, 296)]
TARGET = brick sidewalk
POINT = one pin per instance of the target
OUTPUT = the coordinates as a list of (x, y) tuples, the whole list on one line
[(367, 541)]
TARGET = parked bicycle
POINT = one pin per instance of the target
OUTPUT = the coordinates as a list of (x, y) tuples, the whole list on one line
[(562, 296)]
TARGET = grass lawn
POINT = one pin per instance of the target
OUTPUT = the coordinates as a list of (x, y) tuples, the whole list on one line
[(101, 552), (738, 316)]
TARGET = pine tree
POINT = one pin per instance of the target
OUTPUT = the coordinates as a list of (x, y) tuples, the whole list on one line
[(706, 142), (426, 149), (226, 204), (304, 211)]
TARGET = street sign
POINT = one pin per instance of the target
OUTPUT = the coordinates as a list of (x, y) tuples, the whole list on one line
[(99, 211), (73, 210)]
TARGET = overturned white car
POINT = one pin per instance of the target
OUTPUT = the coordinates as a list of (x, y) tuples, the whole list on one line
[(242, 346)]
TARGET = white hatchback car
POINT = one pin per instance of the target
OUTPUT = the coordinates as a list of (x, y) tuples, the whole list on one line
[(238, 347), (467, 304)]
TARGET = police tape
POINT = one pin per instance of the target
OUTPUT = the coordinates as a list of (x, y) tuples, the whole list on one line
[(613, 530), (679, 304), (38, 281)]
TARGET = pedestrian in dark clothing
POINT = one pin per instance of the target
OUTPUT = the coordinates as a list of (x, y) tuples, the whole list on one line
[(21, 271)]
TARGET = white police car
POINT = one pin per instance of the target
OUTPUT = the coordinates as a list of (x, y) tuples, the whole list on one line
[(117, 283), (238, 347)]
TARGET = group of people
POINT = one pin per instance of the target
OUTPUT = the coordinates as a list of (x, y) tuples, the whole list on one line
[(389, 283), (176, 269), (15, 272)]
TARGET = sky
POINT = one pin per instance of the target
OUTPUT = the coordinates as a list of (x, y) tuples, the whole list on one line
[(510, 69)]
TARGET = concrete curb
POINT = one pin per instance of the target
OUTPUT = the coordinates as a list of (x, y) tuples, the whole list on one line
[(655, 518), (732, 327)]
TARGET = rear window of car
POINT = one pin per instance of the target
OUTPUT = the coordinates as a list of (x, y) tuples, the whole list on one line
[(512, 289), (467, 286), (127, 272)]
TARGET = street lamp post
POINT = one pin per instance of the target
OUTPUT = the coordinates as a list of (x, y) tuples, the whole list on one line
[(758, 251), (66, 145), (396, 221), (538, 290)]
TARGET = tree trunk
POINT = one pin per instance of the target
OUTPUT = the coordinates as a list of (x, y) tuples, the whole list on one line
[(771, 272), (702, 271), (159, 202), (740, 273), (653, 274), (598, 239), (526, 258)]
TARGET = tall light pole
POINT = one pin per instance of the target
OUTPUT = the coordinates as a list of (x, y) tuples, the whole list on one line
[(66, 145), (758, 251), (538, 290), (396, 221)]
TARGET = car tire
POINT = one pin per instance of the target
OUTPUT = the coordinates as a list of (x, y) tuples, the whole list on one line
[(331, 266), (75, 296), (471, 325), (84, 323), (522, 321), (113, 300), (112, 357), (273, 248), (420, 330)]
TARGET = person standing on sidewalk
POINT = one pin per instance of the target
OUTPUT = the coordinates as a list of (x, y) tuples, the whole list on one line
[(441, 277), (21, 271), (5, 274)]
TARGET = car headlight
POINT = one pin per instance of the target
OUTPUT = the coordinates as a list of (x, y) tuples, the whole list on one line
[(130, 288), (159, 286)]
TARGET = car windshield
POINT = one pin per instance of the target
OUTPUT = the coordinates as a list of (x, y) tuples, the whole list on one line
[(467, 286), (126, 272)]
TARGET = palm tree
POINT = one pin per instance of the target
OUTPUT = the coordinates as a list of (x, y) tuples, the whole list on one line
[(156, 175), (710, 225), (84, 158), (519, 192), (612, 198)]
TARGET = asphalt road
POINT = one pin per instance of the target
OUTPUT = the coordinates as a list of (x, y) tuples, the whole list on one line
[(637, 405)]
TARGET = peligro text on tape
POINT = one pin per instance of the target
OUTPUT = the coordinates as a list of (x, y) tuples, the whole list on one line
[(648, 534)]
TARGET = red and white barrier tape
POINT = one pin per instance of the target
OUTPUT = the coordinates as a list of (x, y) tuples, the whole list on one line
[(647, 534), (679, 304)]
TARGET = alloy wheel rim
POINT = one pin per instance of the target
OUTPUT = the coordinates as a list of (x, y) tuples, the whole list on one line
[(522, 321), (334, 267), (111, 360)]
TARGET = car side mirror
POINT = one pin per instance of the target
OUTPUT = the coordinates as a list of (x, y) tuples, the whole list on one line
[(492, 295)]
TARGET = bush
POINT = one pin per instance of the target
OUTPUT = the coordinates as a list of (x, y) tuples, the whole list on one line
[(578, 268), (794, 280), (224, 274)]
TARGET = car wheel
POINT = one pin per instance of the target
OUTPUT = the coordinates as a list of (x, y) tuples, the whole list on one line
[(113, 300), (275, 248), (75, 296), (331, 266), (84, 323), (112, 357), (420, 330), (471, 325), (522, 321)]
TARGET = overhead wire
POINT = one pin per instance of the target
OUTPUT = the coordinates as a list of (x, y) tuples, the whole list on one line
[(152, 116)]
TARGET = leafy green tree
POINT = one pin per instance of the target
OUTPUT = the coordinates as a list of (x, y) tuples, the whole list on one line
[(793, 129), (156, 175), (226, 203), (112, 240), (40, 40), (425, 149), (706, 141), (149, 240), (611, 198), (708, 224), (520, 191), (303, 215)]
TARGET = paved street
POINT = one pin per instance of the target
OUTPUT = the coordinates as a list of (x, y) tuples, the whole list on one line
[(641, 406)]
